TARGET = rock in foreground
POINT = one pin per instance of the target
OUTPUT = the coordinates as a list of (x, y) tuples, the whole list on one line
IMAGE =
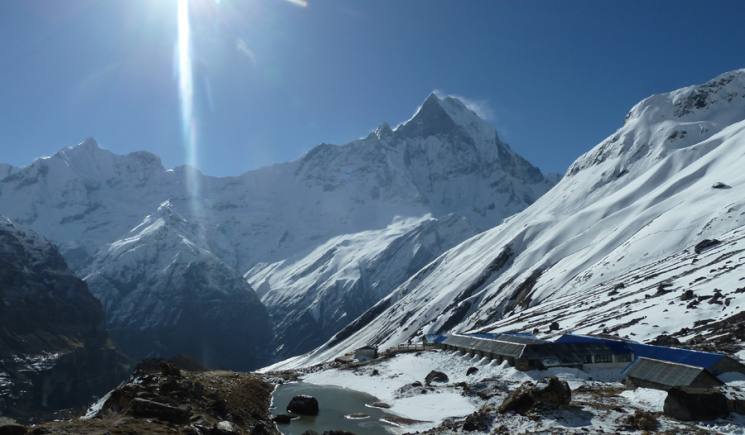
[(435, 376), (303, 405), (553, 393), (161, 398)]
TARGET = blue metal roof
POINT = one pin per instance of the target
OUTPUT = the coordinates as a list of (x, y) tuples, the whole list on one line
[(496, 336), (486, 335), (684, 356)]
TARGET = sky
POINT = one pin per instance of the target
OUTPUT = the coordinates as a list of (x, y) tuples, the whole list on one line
[(273, 78)]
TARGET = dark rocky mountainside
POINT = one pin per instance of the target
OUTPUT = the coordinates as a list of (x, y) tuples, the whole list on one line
[(54, 350), (166, 293)]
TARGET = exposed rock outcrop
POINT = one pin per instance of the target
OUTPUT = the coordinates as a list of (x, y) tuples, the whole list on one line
[(160, 397), (435, 376), (553, 393), (166, 293)]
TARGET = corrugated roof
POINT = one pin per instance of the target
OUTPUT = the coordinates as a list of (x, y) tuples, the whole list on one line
[(497, 347), (517, 337), (531, 348), (567, 353), (670, 374), (672, 354)]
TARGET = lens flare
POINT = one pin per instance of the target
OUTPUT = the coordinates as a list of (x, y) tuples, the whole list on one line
[(186, 96)]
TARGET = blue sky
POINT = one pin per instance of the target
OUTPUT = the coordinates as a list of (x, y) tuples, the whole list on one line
[(272, 78)]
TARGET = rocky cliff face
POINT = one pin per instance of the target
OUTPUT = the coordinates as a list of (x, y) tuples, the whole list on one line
[(54, 350), (166, 293)]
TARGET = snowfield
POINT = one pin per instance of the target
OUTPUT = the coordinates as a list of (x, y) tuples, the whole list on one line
[(314, 296), (406, 369), (599, 403)]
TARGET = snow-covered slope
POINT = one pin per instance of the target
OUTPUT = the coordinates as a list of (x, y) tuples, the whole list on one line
[(165, 293), (627, 214), (312, 297), (443, 160)]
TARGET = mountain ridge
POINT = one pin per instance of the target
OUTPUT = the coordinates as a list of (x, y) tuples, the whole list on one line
[(444, 161), (91, 196), (166, 293), (639, 197)]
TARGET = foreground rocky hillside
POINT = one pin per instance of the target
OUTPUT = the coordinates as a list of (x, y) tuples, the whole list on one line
[(54, 351), (640, 238), (164, 397)]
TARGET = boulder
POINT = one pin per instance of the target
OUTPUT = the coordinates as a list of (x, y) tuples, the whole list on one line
[(472, 371), (641, 421), (144, 408), (554, 326), (435, 376), (519, 401), (303, 405), (553, 394), (685, 406), (478, 421), (486, 388), (705, 244), (11, 428)]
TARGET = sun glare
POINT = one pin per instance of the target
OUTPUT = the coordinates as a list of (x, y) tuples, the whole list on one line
[(186, 96)]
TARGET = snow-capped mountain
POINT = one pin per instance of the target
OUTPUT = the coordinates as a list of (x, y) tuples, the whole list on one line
[(615, 247), (165, 293), (53, 345), (443, 160), (312, 297), (6, 170)]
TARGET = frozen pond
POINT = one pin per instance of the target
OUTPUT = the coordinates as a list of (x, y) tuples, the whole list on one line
[(339, 409)]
